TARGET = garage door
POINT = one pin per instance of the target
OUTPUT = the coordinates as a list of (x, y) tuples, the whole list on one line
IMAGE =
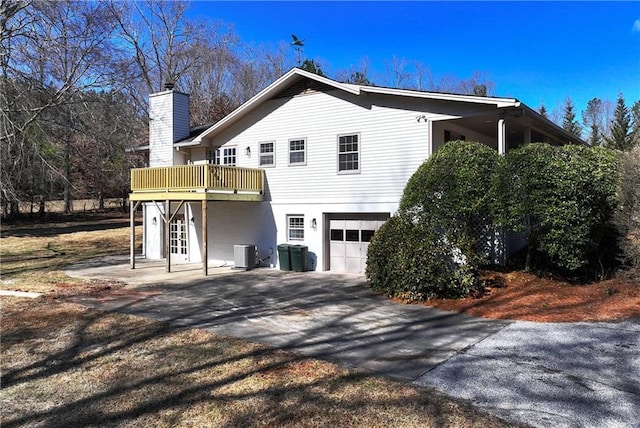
[(348, 243)]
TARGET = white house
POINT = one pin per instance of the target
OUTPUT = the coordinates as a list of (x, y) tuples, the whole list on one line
[(308, 161)]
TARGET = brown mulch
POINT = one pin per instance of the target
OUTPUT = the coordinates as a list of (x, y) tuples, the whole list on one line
[(522, 296)]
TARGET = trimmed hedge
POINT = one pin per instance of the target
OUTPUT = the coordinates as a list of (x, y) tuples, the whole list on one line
[(452, 190), (563, 198), (414, 262)]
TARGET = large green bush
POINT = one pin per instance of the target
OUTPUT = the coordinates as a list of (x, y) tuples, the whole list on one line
[(413, 261), (563, 198), (451, 191)]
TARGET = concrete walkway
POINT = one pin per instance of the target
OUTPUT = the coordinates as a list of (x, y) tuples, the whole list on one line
[(582, 374)]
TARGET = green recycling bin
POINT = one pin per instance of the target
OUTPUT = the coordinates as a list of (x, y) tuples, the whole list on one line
[(284, 256), (299, 257)]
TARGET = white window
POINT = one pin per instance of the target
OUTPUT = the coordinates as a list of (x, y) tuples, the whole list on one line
[(212, 156), (348, 153), (297, 152), (267, 154), (222, 156), (295, 227)]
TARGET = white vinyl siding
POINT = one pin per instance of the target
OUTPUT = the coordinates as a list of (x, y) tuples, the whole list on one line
[(298, 151), (267, 154), (348, 153), (295, 227), (396, 145)]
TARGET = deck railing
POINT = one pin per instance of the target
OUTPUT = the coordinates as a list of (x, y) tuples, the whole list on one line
[(204, 177)]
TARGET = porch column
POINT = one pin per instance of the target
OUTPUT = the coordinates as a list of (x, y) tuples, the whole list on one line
[(205, 257), (502, 137), (527, 135), (167, 233), (429, 138)]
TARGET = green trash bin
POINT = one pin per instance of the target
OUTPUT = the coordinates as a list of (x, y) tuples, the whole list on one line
[(299, 257), (284, 256)]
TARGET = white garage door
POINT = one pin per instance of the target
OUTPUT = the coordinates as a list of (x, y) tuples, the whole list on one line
[(348, 243)]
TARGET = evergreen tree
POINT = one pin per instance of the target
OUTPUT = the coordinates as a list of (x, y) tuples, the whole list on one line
[(543, 110), (621, 133), (312, 67), (593, 117), (359, 78), (569, 121), (480, 90)]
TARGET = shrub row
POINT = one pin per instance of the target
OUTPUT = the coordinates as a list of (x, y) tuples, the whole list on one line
[(563, 198)]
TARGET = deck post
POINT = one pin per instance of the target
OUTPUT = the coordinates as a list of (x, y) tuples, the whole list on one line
[(132, 223), (167, 234), (205, 238)]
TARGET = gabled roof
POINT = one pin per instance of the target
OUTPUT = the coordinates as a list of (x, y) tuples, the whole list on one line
[(295, 74), (273, 89)]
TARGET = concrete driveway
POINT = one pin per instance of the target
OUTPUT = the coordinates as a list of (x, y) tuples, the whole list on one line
[(581, 374)]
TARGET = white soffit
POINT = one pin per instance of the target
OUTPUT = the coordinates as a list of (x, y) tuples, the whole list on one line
[(498, 102)]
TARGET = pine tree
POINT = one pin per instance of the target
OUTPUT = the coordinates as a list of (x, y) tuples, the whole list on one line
[(620, 130), (593, 118), (312, 66), (543, 110), (569, 122)]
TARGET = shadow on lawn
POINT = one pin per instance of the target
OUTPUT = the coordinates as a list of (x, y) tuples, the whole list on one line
[(54, 229), (322, 318)]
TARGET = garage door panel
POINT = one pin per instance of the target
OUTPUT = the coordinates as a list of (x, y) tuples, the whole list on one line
[(369, 224), (352, 224), (353, 264), (336, 224), (338, 264), (352, 249)]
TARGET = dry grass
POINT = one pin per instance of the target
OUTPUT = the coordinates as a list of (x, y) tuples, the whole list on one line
[(34, 261), (67, 365)]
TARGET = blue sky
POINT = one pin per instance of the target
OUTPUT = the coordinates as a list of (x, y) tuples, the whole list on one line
[(533, 51)]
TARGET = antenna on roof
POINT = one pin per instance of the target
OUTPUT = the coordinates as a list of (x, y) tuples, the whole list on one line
[(169, 85)]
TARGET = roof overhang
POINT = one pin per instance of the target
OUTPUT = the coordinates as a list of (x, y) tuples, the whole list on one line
[(296, 74), (498, 102)]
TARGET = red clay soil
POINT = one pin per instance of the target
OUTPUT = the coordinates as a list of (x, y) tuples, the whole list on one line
[(522, 296)]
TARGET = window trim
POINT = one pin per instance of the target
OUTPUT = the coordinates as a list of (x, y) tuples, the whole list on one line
[(289, 228), (219, 156), (358, 152), (303, 151), (272, 153)]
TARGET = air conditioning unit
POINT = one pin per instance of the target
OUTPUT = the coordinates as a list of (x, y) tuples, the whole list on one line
[(244, 256)]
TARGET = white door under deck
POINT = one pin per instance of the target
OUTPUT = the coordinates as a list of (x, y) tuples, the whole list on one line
[(178, 245)]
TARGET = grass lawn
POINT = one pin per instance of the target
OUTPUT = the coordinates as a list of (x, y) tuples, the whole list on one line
[(67, 365)]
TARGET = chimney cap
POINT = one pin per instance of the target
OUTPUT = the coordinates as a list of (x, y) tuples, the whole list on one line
[(169, 85)]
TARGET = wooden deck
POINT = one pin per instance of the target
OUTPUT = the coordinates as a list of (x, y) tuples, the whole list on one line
[(197, 182)]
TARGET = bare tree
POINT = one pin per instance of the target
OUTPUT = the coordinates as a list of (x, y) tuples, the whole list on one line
[(396, 74), (423, 77), (52, 53)]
